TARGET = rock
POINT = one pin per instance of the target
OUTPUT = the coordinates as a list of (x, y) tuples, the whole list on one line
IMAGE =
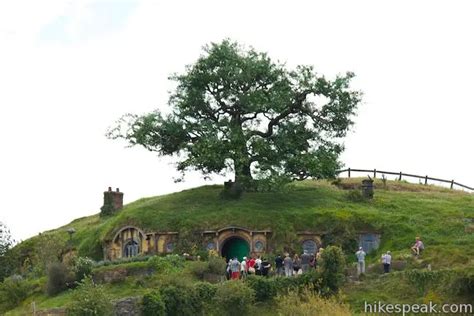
[(128, 306)]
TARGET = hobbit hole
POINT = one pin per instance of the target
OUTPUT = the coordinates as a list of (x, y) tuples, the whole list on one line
[(231, 241)]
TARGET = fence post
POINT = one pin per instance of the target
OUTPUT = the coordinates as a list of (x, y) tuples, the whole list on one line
[(452, 184), (400, 179), (375, 173), (426, 179), (348, 172)]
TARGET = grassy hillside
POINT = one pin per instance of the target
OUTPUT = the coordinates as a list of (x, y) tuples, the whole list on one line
[(399, 211)]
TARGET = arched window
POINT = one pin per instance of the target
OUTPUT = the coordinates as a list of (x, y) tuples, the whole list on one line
[(369, 242), (131, 249), (310, 246)]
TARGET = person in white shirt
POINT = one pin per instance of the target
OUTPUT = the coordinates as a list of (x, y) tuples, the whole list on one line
[(386, 261), (243, 268), (360, 261)]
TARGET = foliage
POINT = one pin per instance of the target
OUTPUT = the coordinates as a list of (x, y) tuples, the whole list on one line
[(89, 299), (264, 288), (180, 300), (205, 291), (108, 207), (6, 254), (355, 196), (58, 278), (48, 250), (166, 264), (332, 265), (13, 290), (237, 109), (234, 297), (217, 265), (309, 303), (153, 304), (82, 267), (199, 268)]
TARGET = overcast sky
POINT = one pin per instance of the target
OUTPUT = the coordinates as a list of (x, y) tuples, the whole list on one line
[(69, 69)]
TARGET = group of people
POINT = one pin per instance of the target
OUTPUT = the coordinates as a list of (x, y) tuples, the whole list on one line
[(284, 266), (386, 258)]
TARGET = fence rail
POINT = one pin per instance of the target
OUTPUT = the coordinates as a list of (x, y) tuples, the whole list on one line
[(400, 174)]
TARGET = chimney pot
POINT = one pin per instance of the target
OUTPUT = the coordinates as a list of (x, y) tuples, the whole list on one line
[(118, 190), (110, 189)]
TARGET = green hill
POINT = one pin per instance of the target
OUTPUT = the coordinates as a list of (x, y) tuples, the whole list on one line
[(400, 211)]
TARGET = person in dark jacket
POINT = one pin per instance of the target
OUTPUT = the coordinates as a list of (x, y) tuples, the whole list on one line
[(279, 265)]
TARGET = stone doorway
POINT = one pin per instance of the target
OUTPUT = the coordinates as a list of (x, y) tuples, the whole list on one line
[(235, 247)]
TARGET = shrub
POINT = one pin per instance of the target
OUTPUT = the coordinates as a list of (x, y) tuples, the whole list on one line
[(217, 265), (82, 267), (205, 291), (13, 291), (89, 299), (180, 300), (153, 304), (199, 268), (265, 289), (234, 297), (309, 303), (332, 269), (355, 196), (58, 278), (166, 264)]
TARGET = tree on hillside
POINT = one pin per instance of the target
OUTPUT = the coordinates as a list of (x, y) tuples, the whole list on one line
[(6, 260), (235, 109)]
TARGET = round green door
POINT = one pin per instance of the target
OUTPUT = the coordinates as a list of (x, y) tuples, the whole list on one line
[(235, 247)]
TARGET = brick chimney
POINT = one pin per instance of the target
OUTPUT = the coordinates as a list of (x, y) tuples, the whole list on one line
[(114, 197)]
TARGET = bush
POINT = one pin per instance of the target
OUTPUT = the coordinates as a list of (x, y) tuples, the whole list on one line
[(180, 300), (82, 267), (265, 289), (355, 196), (58, 278), (217, 265), (234, 298), (309, 303), (332, 269), (205, 291), (89, 299), (199, 268), (13, 291), (153, 304), (166, 264)]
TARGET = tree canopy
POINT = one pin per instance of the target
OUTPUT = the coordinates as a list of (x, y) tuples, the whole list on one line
[(236, 110)]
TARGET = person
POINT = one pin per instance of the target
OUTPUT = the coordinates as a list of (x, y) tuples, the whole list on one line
[(258, 266), (288, 264), (318, 254), (243, 268), (251, 266), (279, 265), (360, 261), (296, 264), (227, 270), (312, 261), (265, 267), (235, 268), (305, 259), (386, 261), (418, 247)]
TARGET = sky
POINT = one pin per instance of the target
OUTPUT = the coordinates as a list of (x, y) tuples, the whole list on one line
[(70, 69)]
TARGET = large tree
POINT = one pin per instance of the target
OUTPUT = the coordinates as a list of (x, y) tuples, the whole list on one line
[(235, 109), (6, 259)]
